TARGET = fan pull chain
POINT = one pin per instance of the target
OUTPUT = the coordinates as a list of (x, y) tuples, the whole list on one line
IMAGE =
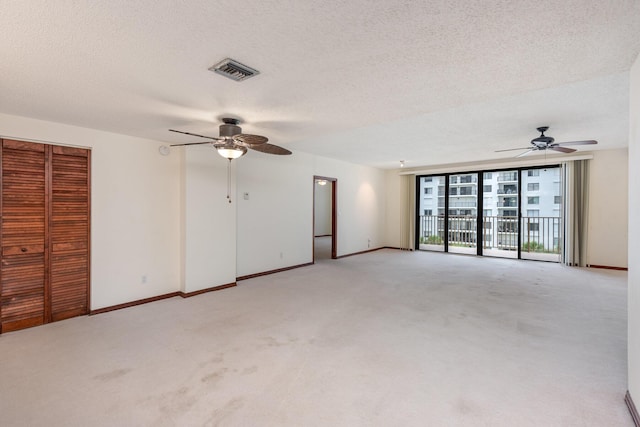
[(229, 181)]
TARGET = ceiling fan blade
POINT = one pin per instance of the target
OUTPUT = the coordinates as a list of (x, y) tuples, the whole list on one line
[(270, 149), (191, 143), (513, 149), (587, 142), (562, 149), (194, 134), (526, 153), (250, 140)]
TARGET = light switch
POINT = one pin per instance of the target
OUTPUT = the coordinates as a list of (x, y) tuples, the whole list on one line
[(246, 196)]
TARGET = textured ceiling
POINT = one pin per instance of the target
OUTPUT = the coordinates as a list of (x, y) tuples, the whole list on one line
[(370, 82)]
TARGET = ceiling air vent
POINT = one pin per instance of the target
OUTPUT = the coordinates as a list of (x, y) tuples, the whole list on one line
[(234, 70)]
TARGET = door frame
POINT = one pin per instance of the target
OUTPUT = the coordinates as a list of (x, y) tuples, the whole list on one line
[(334, 216), (480, 173)]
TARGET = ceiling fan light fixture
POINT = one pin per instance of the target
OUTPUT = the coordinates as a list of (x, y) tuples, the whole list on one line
[(231, 151)]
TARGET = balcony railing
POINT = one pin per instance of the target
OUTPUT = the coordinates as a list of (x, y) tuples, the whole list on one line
[(453, 204), (538, 234), (463, 191), (509, 176), (469, 179), (541, 234)]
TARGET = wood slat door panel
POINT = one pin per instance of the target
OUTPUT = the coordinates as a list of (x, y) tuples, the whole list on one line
[(69, 277), (23, 298), (44, 236), (69, 232)]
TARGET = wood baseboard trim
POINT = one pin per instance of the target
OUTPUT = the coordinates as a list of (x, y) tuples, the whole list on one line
[(360, 253), (278, 270), (133, 303), (632, 409), (323, 235), (204, 291), (396, 248), (608, 267)]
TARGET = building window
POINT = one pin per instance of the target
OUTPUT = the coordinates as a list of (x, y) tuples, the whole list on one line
[(557, 199), (533, 212), (533, 172), (428, 179), (486, 188), (428, 190), (487, 175), (533, 226), (533, 186), (428, 212), (467, 191), (509, 212), (487, 212), (533, 200)]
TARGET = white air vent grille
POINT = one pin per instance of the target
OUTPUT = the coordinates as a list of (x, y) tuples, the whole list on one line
[(234, 70)]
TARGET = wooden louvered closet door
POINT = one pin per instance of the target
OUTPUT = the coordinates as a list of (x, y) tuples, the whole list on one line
[(68, 232), (23, 295), (45, 205)]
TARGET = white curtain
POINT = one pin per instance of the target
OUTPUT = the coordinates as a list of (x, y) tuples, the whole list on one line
[(576, 212), (408, 212)]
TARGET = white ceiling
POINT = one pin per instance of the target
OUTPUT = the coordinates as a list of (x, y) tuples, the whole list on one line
[(370, 82)]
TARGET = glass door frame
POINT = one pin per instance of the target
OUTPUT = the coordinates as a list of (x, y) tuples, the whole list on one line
[(479, 203)]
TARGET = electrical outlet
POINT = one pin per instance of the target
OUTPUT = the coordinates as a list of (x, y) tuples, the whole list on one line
[(143, 279), (281, 255)]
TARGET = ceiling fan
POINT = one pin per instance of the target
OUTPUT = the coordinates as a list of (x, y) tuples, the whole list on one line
[(544, 142), (232, 143)]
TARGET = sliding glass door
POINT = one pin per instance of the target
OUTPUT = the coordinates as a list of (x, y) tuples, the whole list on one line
[(500, 213), (513, 213), (463, 213), (541, 214), (431, 208)]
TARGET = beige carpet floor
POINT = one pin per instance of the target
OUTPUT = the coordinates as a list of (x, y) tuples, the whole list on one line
[(388, 338), (322, 248)]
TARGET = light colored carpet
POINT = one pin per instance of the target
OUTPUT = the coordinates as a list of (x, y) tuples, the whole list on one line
[(322, 248), (387, 338)]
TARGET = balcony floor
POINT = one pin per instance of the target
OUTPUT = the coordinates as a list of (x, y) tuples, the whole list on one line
[(492, 252)]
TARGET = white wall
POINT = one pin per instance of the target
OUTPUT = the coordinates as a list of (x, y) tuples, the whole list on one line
[(275, 226), (275, 223), (608, 208), (361, 204), (167, 218), (322, 210), (634, 236), (209, 227), (135, 216)]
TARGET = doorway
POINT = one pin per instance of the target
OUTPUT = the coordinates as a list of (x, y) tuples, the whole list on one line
[(512, 213), (324, 218)]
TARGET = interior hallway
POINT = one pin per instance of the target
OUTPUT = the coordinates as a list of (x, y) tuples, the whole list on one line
[(322, 248), (385, 338)]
